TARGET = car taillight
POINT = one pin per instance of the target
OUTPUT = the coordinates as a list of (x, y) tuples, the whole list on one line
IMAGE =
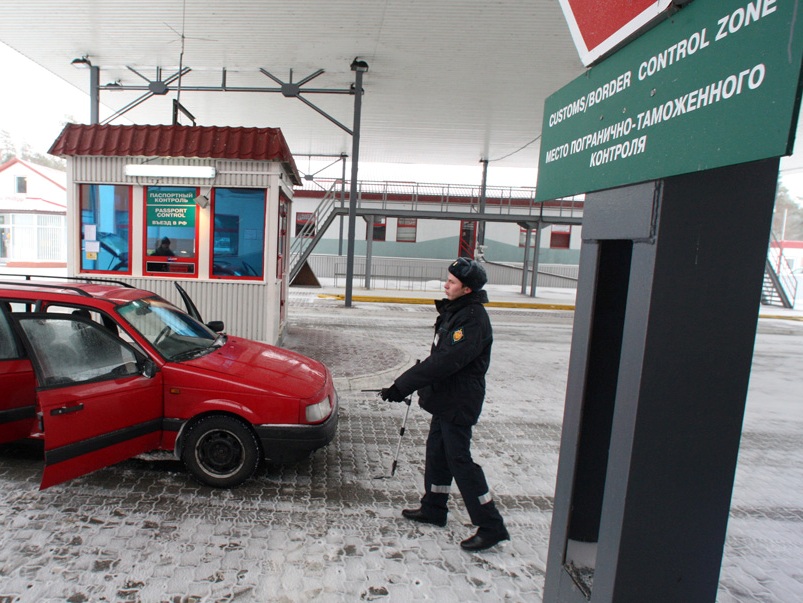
[(318, 412)]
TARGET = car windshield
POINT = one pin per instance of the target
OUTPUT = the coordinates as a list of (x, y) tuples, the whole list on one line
[(174, 334)]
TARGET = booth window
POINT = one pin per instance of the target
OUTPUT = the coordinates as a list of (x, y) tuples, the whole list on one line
[(238, 233), (406, 230), (171, 230), (105, 231)]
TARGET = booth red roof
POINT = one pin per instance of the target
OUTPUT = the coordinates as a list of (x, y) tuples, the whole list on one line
[(255, 144)]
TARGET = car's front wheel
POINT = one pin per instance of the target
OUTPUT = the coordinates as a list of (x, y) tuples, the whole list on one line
[(221, 451)]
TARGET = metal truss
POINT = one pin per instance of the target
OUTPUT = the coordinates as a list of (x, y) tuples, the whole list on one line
[(161, 87)]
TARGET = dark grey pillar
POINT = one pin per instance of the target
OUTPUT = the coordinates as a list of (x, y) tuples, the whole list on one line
[(536, 258), (369, 250), (359, 68), (483, 199), (94, 95), (526, 262), (342, 204), (667, 306)]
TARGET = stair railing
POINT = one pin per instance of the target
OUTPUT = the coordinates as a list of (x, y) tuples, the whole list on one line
[(780, 275)]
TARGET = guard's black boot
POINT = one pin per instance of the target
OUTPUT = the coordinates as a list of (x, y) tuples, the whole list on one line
[(422, 516), (484, 539)]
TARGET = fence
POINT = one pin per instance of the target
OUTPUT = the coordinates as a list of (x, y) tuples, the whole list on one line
[(429, 274), (33, 238)]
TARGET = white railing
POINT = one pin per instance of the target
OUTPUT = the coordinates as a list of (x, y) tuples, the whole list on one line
[(429, 197)]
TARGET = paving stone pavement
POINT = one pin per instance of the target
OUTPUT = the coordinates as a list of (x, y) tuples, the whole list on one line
[(329, 528)]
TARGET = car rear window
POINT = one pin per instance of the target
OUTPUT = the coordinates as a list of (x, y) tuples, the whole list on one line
[(8, 345)]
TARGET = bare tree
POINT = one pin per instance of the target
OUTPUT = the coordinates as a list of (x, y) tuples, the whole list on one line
[(787, 221), (9, 150)]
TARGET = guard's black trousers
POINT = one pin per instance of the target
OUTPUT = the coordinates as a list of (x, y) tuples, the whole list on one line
[(449, 456)]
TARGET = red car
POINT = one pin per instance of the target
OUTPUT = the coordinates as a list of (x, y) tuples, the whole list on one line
[(102, 372)]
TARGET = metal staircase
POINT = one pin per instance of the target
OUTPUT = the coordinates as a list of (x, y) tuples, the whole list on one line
[(314, 229), (780, 285)]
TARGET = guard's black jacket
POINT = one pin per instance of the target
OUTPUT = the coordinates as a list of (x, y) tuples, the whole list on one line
[(451, 381)]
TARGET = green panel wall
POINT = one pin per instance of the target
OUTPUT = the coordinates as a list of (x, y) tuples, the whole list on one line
[(446, 249)]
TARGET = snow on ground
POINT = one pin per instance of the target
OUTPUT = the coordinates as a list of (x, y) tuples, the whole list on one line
[(329, 528)]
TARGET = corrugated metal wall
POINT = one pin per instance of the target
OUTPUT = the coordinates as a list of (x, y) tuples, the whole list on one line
[(241, 306), (230, 173), (244, 307)]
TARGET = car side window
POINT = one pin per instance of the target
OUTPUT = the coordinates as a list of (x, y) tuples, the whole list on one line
[(96, 316), (8, 344), (67, 351)]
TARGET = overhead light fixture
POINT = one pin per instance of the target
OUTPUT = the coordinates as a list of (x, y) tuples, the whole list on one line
[(359, 65), (155, 170), (82, 63)]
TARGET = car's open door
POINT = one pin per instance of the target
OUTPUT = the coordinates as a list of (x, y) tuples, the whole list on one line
[(100, 399), (192, 310), (17, 384)]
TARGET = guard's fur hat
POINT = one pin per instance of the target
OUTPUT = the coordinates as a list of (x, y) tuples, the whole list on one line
[(469, 272)]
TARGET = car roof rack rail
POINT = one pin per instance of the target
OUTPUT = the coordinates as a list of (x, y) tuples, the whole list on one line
[(87, 279), (46, 286)]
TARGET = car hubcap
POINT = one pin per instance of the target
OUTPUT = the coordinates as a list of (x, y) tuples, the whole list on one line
[(220, 452)]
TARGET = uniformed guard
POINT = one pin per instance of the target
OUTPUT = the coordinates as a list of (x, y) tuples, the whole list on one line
[(451, 387)]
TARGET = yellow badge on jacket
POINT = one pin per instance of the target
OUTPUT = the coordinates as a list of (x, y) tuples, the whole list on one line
[(457, 336)]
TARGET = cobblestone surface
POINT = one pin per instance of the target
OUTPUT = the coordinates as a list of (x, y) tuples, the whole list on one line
[(329, 528)]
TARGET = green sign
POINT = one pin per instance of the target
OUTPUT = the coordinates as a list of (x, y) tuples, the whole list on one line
[(171, 207), (716, 84)]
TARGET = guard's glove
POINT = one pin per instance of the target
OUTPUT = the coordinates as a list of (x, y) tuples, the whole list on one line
[(391, 394)]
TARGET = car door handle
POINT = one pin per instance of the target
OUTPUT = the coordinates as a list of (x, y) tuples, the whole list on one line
[(66, 409)]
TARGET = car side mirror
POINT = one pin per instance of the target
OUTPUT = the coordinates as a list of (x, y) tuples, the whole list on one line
[(217, 326), (149, 368)]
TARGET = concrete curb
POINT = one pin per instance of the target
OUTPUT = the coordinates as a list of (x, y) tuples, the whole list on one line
[(428, 301), (384, 299)]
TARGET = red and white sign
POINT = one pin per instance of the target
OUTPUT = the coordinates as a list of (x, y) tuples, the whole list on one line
[(600, 27)]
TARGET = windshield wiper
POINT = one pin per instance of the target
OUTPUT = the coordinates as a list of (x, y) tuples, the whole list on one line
[(194, 353)]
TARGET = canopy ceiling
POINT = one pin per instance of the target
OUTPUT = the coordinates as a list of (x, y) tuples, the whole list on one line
[(449, 81)]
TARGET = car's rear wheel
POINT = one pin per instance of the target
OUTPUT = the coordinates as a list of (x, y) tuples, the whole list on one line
[(221, 451)]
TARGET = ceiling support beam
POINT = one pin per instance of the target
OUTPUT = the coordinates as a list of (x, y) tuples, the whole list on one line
[(291, 90), (157, 87), (161, 87)]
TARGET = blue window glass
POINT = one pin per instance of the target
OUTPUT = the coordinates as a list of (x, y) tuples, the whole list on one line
[(105, 219), (238, 233)]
